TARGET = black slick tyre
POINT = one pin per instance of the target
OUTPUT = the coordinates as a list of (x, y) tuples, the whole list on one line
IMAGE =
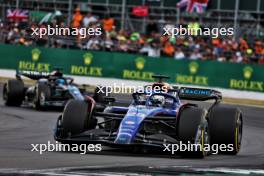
[(192, 129), (226, 126), (75, 118), (13, 92)]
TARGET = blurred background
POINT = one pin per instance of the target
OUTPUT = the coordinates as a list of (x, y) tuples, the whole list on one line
[(136, 26)]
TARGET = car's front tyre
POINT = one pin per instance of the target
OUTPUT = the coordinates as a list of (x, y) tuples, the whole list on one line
[(192, 129), (226, 126), (76, 118)]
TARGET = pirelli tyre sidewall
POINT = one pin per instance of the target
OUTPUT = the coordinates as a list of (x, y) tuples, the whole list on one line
[(192, 128), (226, 127), (13, 92)]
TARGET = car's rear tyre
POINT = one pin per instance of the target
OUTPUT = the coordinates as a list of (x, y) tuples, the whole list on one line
[(42, 93), (76, 118), (226, 126), (192, 128), (13, 92)]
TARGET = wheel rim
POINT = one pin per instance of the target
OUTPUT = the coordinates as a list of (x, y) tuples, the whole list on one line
[(204, 140), (42, 98)]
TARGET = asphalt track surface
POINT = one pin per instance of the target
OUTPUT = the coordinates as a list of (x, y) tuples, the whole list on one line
[(22, 126)]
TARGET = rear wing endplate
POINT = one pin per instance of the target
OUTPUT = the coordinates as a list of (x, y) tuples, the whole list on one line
[(199, 94)]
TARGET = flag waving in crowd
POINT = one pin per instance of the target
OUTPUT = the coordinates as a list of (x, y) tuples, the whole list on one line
[(140, 11), (17, 15), (191, 6)]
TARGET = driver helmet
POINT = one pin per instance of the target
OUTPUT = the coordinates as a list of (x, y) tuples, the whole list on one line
[(60, 82), (158, 100)]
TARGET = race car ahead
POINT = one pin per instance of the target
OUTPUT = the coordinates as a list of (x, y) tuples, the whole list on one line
[(51, 90), (152, 120)]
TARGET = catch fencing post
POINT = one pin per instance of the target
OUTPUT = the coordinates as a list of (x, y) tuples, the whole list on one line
[(17, 4), (123, 14), (69, 13), (235, 17)]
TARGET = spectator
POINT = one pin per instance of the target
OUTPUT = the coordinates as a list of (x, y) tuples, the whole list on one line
[(243, 45), (195, 55), (77, 18), (123, 46), (259, 47), (108, 24), (88, 19), (261, 60), (178, 55), (108, 43), (13, 36), (221, 58), (194, 27), (93, 44), (168, 49), (179, 47), (238, 57), (151, 50)]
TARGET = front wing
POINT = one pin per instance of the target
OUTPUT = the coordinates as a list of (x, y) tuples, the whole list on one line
[(100, 136)]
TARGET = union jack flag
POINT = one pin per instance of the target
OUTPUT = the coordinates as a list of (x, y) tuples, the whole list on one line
[(197, 6), (17, 15)]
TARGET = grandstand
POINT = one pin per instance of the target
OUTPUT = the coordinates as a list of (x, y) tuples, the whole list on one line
[(246, 17)]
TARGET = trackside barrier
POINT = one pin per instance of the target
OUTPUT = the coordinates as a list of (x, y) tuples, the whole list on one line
[(133, 67)]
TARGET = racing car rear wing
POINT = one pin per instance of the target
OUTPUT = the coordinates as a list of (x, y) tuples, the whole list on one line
[(160, 78), (34, 75), (199, 94)]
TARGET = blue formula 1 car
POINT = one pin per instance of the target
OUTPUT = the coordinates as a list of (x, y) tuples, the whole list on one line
[(152, 120)]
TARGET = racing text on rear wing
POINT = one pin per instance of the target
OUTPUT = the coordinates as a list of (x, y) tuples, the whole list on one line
[(199, 94)]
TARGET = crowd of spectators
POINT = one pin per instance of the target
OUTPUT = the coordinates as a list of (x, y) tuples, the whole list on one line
[(152, 43)]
